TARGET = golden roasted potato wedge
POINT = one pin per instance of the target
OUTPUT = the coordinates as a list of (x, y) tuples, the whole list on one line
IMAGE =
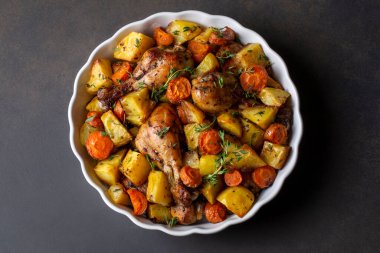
[(207, 65), (191, 135), (95, 106), (135, 167), (118, 195), (183, 30), (273, 97), (115, 130), (274, 84), (261, 115), (207, 164), (84, 132), (108, 170), (158, 190), (159, 213), (237, 199), (251, 54), (204, 36), (230, 122), (275, 155), (252, 134), (244, 157), (137, 106), (190, 113), (101, 73), (210, 191), (133, 46)]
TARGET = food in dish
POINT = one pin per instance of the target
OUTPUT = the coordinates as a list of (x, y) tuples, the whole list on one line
[(186, 125)]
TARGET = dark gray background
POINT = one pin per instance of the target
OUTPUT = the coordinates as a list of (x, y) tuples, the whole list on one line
[(331, 203)]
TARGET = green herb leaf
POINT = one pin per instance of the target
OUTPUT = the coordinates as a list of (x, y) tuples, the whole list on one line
[(137, 42), (171, 222), (204, 127), (152, 165), (90, 119), (176, 32), (163, 131)]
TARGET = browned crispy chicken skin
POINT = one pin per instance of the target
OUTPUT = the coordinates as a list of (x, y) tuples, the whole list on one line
[(159, 138), (215, 92), (151, 71)]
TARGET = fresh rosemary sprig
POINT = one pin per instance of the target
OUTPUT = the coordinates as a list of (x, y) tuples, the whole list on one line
[(157, 92), (204, 127)]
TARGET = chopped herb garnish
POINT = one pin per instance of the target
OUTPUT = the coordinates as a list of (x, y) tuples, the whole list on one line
[(157, 92), (176, 32), (171, 222), (111, 157), (235, 114), (225, 56), (137, 42), (116, 190), (261, 113), (152, 165), (90, 119), (141, 84), (220, 82), (250, 95), (104, 133), (163, 131), (203, 127), (186, 28)]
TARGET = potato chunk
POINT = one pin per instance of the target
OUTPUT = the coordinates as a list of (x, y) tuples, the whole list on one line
[(252, 134), (135, 167), (207, 164), (158, 188), (273, 97), (159, 213), (191, 135), (95, 106), (133, 46), (210, 191), (237, 199), (116, 131), (207, 65), (204, 36), (137, 106), (101, 73), (251, 54), (190, 113), (244, 157), (274, 84), (274, 155), (85, 131), (183, 30), (118, 195), (230, 122), (262, 116), (108, 170)]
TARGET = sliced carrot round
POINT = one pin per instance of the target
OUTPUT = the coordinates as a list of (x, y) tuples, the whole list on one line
[(123, 73), (139, 201), (233, 178), (209, 142), (178, 89), (254, 79), (264, 176), (93, 119), (276, 133), (99, 145), (215, 213), (190, 177)]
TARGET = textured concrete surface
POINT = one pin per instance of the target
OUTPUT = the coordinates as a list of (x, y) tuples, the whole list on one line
[(330, 203)]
